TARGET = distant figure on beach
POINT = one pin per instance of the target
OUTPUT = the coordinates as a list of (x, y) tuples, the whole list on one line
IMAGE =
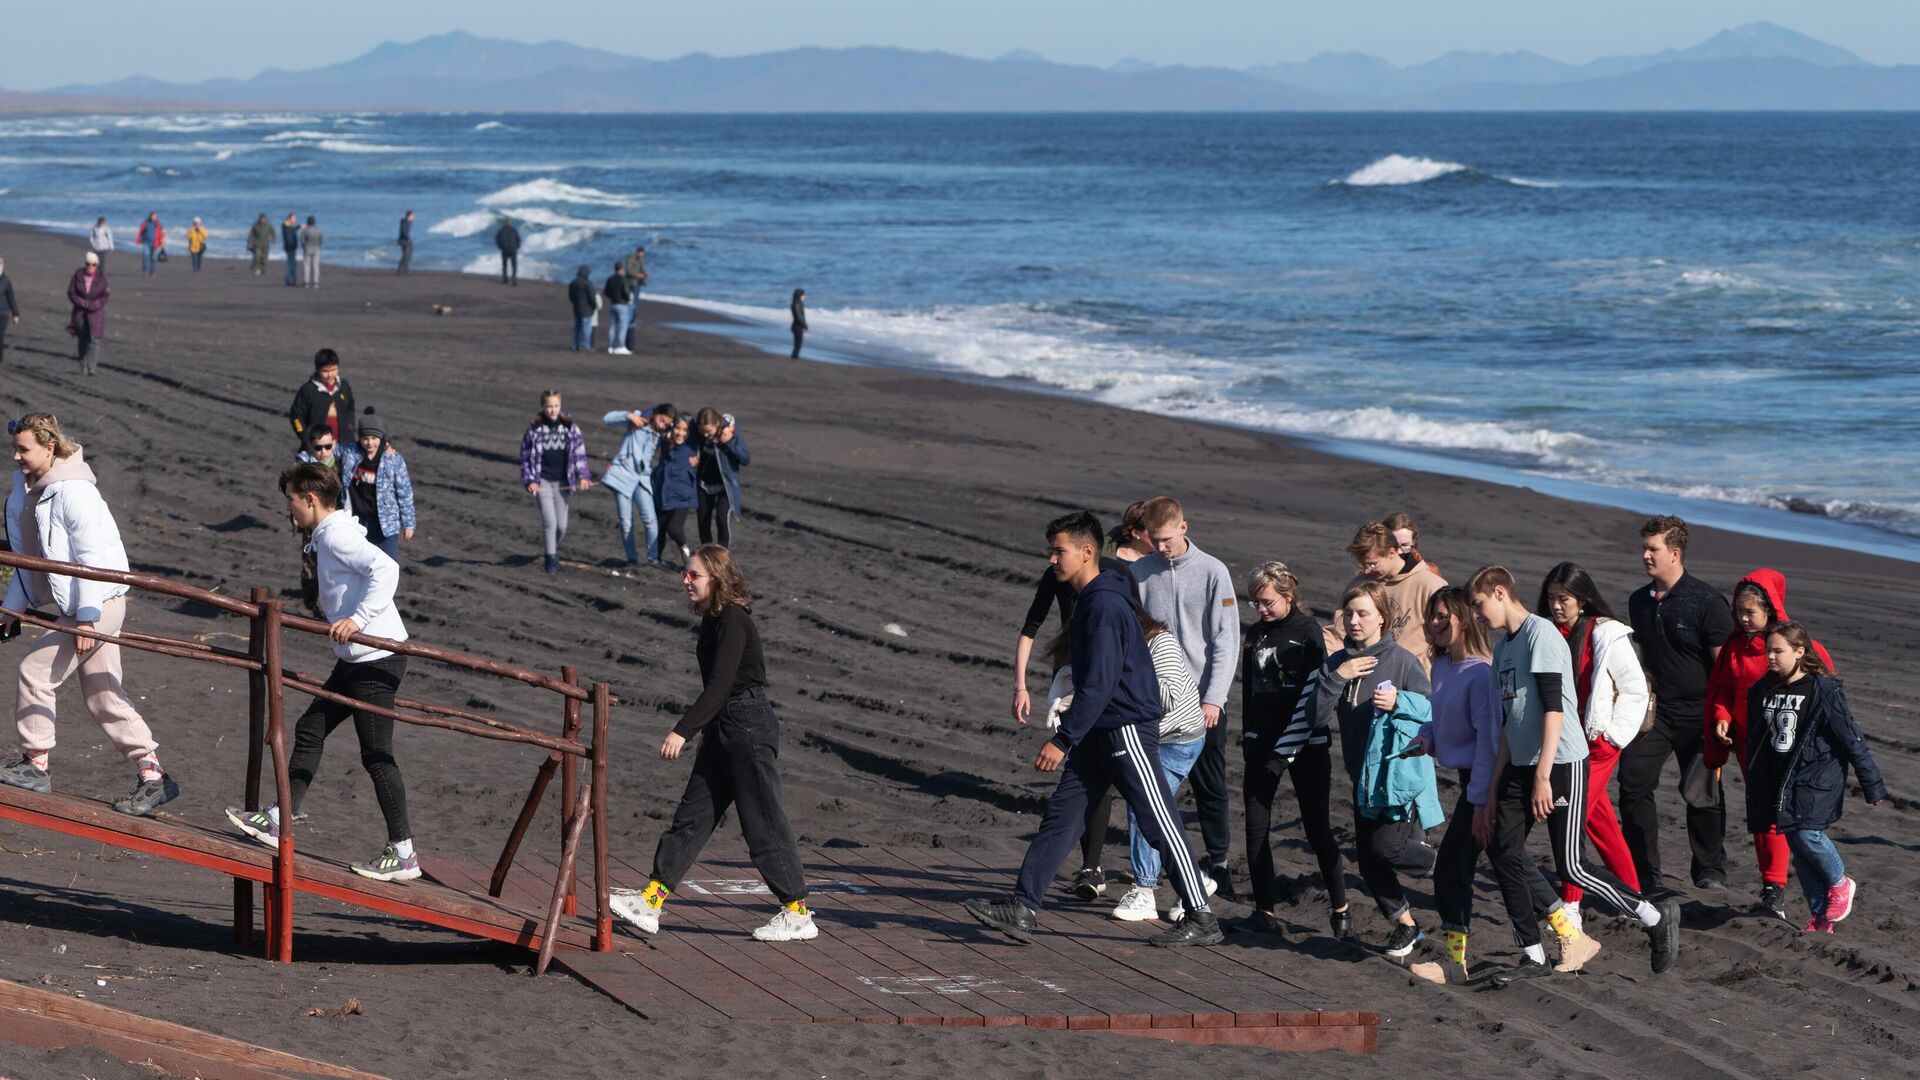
[(323, 403), (636, 280), (619, 310), (723, 453), (55, 511), (676, 487), (379, 489), (737, 764), (357, 585), (630, 477), (406, 244), (1408, 581), (507, 239), (152, 240), (196, 243), (584, 302), (290, 243), (260, 244), (100, 240), (311, 239), (798, 308), (87, 292), (1680, 623), (9, 308), (553, 465)]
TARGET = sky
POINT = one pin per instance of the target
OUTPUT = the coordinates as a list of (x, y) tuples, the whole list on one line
[(187, 40)]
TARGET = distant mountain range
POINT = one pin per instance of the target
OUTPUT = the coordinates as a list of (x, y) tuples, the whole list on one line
[(1757, 66)]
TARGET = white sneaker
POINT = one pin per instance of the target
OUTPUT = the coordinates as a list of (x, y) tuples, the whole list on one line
[(788, 926), (631, 905), (1179, 910), (622, 351), (1137, 906)]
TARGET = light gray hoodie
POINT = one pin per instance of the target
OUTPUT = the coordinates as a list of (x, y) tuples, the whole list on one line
[(1194, 596)]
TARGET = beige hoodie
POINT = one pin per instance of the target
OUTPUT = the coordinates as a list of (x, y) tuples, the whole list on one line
[(1407, 596)]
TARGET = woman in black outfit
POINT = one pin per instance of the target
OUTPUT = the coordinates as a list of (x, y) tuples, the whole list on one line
[(722, 454), (737, 763), (799, 327)]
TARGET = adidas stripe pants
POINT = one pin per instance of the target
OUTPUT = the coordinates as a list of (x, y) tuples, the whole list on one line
[(1129, 759), (1513, 866)]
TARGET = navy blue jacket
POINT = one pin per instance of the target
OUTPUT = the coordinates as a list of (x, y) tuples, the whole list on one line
[(674, 485), (1815, 783), (1113, 680), (290, 237)]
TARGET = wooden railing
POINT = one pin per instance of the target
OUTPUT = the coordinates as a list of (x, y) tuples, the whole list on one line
[(268, 680)]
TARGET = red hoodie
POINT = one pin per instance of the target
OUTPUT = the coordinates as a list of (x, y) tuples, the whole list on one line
[(1742, 663)]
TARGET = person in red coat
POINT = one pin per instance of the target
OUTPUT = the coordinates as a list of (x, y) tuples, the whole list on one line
[(1759, 601), (87, 292)]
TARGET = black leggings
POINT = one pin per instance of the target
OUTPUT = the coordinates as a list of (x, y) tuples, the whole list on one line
[(1388, 849), (1459, 854), (374, 682), (1099, 820), (716, 515), (1312, 774), (674, 524), (1566, 826)]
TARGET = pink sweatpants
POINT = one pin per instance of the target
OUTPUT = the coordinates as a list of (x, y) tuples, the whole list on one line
[(52, 660)]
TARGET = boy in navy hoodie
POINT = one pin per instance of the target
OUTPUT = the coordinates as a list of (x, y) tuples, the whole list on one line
[(1109, 735)]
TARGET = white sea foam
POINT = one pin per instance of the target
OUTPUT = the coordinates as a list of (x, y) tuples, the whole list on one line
[(48, 133), (1395, 169), (547, 241), (489, 125), (288, 136), (1718, 279), (532, 269), (548, 190), (471, 223)]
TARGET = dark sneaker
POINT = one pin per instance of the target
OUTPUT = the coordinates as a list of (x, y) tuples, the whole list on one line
[(256, 823), (1341, 923), (1222, 879), (1198, 928), (1521, 972), (1773, 901), (389, 866), (1402, 940), (1010, 917), (1261, 922), (1089, 883), (23, 773), (1664, 936), (553, 564), (1710, 882), (147, 795)]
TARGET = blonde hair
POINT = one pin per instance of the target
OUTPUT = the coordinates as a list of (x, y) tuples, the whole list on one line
[(1275, 576), (45, 429)]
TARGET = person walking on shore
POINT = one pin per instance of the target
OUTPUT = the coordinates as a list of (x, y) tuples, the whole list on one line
[(1281, 654), (357, 586), (581, 298), (737, 764), (406, 244), (1109, 735), (196, 243), (54, 511), (290, 244), (1192, 592), (1408, 580), (151, 238), (1803, 739), (9, 308), (636, 270), (1680, 623), (100, 239), (619, 310), (723, 453), (507, 239), (676, 486), (798, 309), (1541, 776), (553, 465), (311, 238), (1759, 602), (260, 244), (87, 293), (1183, 730), (379, 490), (324, 402), (629, 476)]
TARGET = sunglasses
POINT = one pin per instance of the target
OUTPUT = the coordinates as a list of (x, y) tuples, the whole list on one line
[(692, 576)]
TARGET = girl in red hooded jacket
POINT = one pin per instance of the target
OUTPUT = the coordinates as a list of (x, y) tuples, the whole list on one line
[(1759, 601)]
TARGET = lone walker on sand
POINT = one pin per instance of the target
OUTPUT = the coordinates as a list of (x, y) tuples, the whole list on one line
[(507, 239), (88, 293), (55, 512), (799, 310)]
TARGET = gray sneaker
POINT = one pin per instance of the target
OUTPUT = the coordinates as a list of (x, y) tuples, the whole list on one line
[(256, 823), (389, 866), (22, 773), (147, 795)]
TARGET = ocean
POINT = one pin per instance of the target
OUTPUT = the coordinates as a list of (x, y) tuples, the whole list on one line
[(1705, 311)]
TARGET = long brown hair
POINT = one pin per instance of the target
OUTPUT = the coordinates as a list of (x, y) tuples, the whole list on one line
[(1797, 636), (1455, 601), (729, 583)]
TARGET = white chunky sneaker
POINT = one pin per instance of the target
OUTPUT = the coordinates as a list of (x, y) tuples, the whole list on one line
[(631, 905), (1137, 906), (788, 926)]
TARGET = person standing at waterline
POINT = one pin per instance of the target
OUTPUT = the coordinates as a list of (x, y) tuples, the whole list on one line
[(737, 764), (88, 294), (582, 300), (507, 239), (799, 310), (260, 244), (311, 239), (55, 512), (406, 244), (290, 243), (553, 465), (196, 243), (100, 240), (620, 311), (152, 238)]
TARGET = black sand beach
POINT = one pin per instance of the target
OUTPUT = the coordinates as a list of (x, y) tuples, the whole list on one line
[(875, 497)]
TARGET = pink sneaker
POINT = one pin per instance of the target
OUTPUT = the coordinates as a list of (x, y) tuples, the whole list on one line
[(1840, 899), (1817, 925)]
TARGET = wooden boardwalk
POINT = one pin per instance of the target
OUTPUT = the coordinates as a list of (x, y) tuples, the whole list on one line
[(896, 948)]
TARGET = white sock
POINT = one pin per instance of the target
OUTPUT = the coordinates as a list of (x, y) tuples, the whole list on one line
[(404, 848), (274, 813), (1648, 915), (1536, 953)]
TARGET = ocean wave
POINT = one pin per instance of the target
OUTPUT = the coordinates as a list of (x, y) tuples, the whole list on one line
[(548, 190), (185, 124), (475, 222), (547, 241), (531, 269), (489, 125), (289, 136), (49, 133), (1396, 170), (1718, 279)]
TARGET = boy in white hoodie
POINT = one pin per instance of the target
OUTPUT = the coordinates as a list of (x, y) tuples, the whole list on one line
[(357, 583), (55, 512)]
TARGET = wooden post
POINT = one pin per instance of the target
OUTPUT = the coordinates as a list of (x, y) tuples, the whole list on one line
[(256, 741), (569, 770), (280, 904), (523, 822), (602, 913), (562, 884)]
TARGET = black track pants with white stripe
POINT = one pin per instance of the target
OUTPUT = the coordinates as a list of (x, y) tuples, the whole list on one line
[(1129, 759), (1566, 826)]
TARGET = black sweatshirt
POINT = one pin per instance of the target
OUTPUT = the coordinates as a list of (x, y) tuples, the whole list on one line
[(1050, 591), (730, 662)]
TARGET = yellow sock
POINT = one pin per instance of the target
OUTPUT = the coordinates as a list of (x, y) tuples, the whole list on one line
[(1457, 947), (656, 895), (799, 907), (1562, 923)]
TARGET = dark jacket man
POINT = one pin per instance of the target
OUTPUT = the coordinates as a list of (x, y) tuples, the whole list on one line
[(310, 407)]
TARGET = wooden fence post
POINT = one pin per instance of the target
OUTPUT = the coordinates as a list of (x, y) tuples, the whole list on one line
[(281, 903), (569, 772), (602, 913)]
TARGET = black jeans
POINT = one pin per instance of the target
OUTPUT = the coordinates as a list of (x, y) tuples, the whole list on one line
[(1453, 871), (1639, 770), (406, 257), (1388, 849), (1312, 774), (1093, 846), (797, 335), (3, 338), (737, 765), (1566, 827), (674, 524), (1210, 794), (716, 518), (509, 267), (374, 682)]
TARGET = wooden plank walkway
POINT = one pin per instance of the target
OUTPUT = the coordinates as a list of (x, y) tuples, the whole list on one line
[(896, 948)]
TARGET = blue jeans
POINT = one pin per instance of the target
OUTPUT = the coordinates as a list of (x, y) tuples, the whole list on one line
[(390, 545), (293, 268), (624, 505), (583, 334), (1817, 865), (618, 318), (1176, 761), (149, 258)]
